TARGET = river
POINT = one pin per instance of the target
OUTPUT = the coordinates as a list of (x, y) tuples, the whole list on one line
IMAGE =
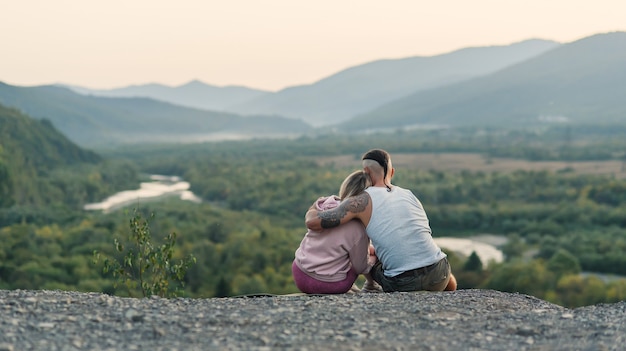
[(158, 187), (485, 247)]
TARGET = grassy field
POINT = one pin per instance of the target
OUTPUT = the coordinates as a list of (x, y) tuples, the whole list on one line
[(477, 162)]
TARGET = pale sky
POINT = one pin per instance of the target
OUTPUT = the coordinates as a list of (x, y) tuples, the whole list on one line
[(264, 44)]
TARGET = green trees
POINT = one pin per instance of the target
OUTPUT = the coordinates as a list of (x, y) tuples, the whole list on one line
[(473, 263), (6, 187), (575, 290), (563, 263), (530, 278), (514, 247)]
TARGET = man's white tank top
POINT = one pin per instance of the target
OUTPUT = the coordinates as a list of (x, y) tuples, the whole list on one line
[(400, 231)]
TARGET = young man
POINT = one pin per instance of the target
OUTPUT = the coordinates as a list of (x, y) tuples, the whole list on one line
[(396, 223)]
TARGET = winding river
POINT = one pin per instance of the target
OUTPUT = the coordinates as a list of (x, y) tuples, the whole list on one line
[(483, 245), (158, 187)]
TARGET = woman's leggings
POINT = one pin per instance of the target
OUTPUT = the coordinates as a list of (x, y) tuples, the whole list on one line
[(310, 285)]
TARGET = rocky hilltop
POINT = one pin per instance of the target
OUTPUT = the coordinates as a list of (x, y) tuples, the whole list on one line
[(460, 320)]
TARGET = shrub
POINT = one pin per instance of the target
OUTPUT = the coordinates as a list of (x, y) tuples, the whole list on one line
[(145, 265)]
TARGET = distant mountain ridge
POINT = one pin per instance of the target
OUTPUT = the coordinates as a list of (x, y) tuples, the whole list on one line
[(340, 96), (361, 88), (579, 82), (194, 94), (101, 121)]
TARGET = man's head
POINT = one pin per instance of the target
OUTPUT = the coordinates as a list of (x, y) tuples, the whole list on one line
[(377, 163)]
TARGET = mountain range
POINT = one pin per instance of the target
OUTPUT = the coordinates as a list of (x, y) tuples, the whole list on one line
[(520, 85), (583, 82), (342, 95), (96, 121), (194, 94)]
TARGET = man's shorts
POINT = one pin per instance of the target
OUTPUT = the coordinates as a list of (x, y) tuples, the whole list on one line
[(432, 278)]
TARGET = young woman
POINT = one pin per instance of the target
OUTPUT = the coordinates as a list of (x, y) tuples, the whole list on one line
[(329, 262)]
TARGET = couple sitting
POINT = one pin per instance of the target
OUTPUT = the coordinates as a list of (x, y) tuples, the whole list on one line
[(336, 249)]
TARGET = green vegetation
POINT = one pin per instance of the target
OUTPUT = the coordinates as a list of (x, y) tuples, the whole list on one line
[(255, 193), (145, 265), (45, 178)]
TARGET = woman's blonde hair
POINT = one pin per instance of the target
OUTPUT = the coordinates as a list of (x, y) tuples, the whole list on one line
[(354, 184)]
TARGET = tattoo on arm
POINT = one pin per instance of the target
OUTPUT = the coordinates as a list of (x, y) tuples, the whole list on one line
[(329, 219), (355, 204)]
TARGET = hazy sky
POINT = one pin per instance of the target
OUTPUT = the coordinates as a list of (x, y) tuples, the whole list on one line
[(264, 44)]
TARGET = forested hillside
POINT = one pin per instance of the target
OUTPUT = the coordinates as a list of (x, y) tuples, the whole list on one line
[(41, 169), (29, 149)]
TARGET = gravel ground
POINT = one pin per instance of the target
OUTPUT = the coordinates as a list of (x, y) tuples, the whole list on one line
[(460, 320)]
